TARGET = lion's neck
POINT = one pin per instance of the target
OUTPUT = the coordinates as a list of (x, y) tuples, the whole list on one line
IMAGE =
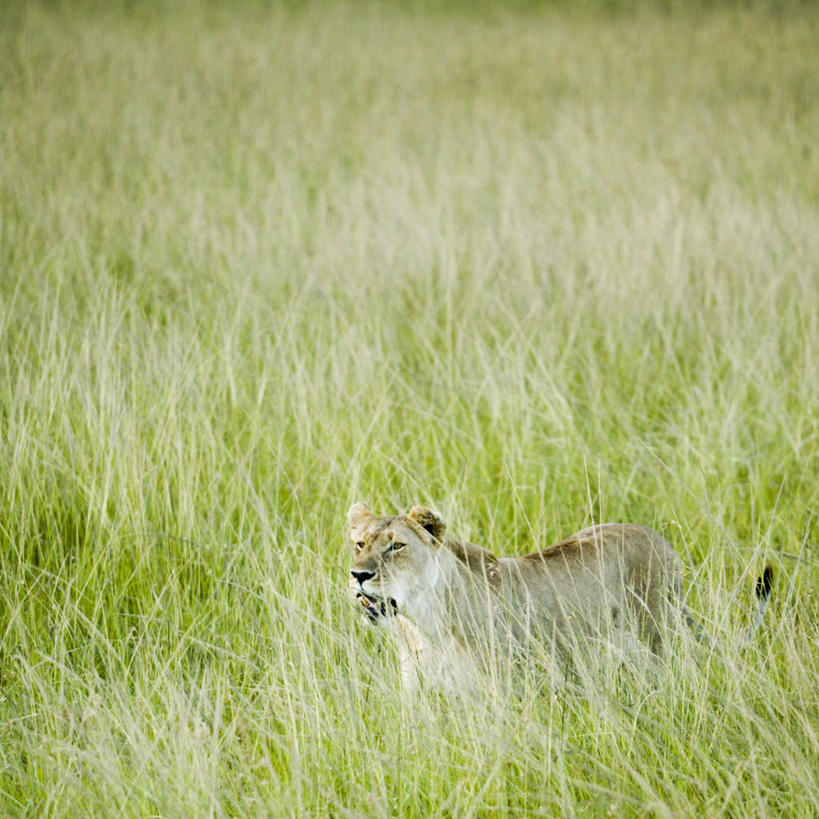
[(437, 628), (439, 606)]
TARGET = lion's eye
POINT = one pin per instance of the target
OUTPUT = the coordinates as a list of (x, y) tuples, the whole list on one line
[(396, 547), (359, 545)]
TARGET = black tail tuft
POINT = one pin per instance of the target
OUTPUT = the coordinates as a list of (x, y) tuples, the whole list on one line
[(764, 584)]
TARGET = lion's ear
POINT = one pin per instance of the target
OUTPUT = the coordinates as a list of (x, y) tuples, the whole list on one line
[(358, 514), (429, 520)]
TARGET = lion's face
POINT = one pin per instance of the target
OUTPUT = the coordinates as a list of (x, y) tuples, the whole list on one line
[(394, 558)]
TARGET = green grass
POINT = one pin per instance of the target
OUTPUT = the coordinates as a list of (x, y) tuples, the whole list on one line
[(532, 269)]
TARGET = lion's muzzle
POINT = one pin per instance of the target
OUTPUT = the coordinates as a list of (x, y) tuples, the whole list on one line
[(374, 607)]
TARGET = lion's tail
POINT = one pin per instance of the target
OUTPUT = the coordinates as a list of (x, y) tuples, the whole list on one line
[(764, 584)]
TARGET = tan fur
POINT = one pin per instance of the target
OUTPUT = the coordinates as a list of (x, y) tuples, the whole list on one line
[(447, 600)]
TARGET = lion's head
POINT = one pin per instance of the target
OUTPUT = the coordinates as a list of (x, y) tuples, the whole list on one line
[(394, 558)]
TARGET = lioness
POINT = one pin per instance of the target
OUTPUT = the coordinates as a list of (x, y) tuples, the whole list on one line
[(449, 600)]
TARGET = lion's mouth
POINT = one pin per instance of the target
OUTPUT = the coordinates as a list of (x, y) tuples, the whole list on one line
[(375, 607)]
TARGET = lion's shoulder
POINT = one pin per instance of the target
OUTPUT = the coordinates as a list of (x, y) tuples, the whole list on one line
[(477, 559)]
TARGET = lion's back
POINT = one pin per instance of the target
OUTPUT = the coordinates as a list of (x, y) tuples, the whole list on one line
[(600, 570), (631, 545)]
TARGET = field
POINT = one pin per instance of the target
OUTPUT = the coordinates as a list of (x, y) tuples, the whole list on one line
[(533, 267)]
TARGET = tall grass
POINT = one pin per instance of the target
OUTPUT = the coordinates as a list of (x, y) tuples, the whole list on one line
[(533, 269)]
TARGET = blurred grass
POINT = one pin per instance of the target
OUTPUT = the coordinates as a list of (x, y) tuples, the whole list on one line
[(535, 269)]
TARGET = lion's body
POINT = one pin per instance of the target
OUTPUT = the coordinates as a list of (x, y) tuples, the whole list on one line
[(452, 602)]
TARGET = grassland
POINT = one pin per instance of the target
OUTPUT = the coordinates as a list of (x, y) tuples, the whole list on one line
[(534, 269)]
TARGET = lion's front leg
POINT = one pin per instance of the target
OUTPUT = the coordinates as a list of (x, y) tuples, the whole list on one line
[(441, 664)]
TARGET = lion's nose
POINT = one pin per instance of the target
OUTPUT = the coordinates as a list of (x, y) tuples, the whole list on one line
[(361, 576)]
